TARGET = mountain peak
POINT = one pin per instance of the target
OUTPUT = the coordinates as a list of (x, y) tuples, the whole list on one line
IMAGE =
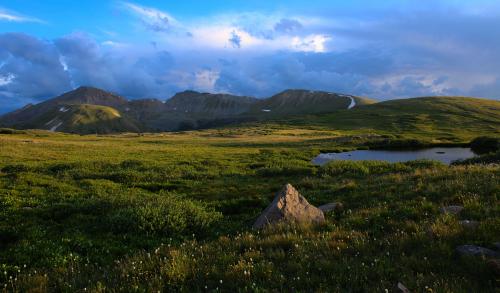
[(91, 95)]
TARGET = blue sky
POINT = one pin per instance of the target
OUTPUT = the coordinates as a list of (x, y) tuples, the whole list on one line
[(382, 49)]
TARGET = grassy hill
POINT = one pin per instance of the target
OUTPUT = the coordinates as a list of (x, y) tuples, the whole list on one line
[(439, 117), (88, 119), (83, 119)]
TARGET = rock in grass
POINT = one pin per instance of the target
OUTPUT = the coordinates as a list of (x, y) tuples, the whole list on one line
[(454, 210), (497, 245), (333, 206), (494, 264), (473, 250), (402, 288), (469, 225), (289, 206)]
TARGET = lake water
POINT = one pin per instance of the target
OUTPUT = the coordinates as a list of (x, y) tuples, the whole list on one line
[(443, 154)]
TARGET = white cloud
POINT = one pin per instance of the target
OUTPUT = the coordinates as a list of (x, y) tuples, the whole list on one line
[(6, 79), (249, 31), (152, 18), (11, 16), (312, 43), (205, 80), (114, 44)]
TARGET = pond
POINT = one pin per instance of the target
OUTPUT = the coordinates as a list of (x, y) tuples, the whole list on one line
[(443, 154)]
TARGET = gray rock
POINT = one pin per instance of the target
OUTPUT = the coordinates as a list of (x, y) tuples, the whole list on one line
[(401, 288), (473, 250), (333, 206), (289, 206), (454, 210), (469, 225), (497, 245)]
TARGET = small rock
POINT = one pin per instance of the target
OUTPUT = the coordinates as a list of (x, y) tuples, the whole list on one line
[(497, 245), (333, 206), (494, 264), (469, 225), (473, 250), (401, 288), (289, 206), (454, 210)]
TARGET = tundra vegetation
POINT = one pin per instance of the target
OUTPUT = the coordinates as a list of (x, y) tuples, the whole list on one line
[(173, 212)]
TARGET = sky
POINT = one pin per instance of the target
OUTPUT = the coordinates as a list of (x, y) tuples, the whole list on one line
[(153, 49)]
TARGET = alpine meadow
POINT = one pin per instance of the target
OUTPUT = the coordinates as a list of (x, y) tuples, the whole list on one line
[(249, 147)]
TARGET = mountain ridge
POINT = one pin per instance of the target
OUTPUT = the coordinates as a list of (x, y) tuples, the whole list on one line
[(92, 110)]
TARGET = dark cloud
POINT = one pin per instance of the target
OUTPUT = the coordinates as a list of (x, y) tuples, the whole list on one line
[(267, 75), (34, 65), (43, 70), (286, 25), (487, 90), (235, 40), (161, 24), (387, 54)]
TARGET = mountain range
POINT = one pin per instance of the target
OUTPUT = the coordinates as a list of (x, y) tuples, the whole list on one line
[(89, 110)]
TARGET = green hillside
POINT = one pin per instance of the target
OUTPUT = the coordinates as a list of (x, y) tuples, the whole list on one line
[(87, 119), (83, 119), (440, 117)]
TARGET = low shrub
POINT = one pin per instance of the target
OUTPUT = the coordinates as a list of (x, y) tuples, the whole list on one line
[(165, 215), (347, 168), (11, 131), (491, 158), (485, 144), (397, 144)]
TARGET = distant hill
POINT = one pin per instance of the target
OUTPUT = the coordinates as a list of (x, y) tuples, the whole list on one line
[(216, 105), (297, 102), (90, 110), (441, 116)]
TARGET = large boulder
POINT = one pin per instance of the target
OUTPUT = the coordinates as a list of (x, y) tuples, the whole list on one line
[(289, 206), (473, 250)]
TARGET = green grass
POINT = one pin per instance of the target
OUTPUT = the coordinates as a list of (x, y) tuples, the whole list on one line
[(441, 118), (173, 212)]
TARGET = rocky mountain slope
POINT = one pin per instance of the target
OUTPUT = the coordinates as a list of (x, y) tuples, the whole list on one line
[(90, 110)]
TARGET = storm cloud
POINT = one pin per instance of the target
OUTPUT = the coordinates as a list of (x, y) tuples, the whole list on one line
[(389, 54)]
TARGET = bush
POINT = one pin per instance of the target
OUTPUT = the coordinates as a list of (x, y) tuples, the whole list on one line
[(485, 144), (164, 215), (16, 168), (491, 158), (347, 168), (284, 171), (362, 168), (132, 164), (11, 131), (397, 144)]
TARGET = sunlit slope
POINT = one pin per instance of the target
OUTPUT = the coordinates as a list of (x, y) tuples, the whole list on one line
[(428, 115), (83, 119)]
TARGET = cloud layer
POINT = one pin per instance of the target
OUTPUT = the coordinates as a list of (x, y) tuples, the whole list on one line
[(432, 51), (11, 16)]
